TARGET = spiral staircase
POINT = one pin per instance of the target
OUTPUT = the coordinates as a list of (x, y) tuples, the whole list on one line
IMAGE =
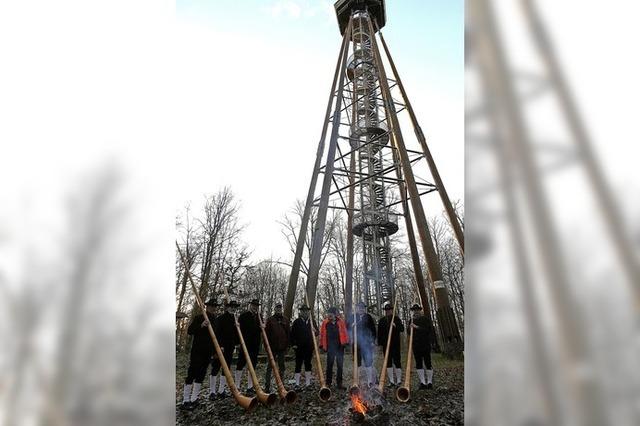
[(369, 134)]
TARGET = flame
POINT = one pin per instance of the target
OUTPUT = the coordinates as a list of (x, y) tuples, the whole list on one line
[(358, 404)]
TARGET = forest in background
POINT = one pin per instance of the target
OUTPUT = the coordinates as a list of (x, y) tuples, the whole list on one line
[(217, 255)]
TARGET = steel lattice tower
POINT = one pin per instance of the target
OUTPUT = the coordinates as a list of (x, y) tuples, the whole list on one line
[(367, 172)]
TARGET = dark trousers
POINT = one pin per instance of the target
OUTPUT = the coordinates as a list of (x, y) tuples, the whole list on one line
[(198, 364), (303, 355), (394, 357), (215, 366), (365, 352), (279, 357), (228, 357), (253, 356), (421, 355), (335, 353)]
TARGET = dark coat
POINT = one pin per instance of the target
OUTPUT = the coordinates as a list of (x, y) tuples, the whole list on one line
[(226, 332), (366, 329), (424, 335), (250, 327), (278, 331), (202, 343), (383, 331), (301, 334)]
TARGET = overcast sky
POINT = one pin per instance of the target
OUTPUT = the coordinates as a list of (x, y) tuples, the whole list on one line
[(256, 81)]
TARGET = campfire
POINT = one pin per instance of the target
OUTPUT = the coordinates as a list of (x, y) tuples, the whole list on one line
[(359, 408), (365, 408)]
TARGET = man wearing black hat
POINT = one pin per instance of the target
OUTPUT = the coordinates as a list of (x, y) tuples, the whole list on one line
[(422, 338), (227, 336), (201, 349), (250, 328), (302, 343), (366, 339), (277, 330), (394, 345)]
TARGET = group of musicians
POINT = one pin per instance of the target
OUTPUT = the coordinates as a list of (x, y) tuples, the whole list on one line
[(334, 335)]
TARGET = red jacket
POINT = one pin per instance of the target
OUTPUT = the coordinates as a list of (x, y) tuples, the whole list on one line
[(342, 332)]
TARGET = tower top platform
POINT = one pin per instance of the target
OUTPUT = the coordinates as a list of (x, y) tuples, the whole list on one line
[(344, 8)]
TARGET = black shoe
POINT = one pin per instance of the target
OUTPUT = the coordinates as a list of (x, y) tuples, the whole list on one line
[(185, 406), (213, 397), (429, 385), (222, 395), (422, 386), (195, 404), (250, 392)]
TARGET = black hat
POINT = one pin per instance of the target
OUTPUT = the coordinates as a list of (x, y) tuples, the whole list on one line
[(416, 307), (361, 305), (388, 307), (231, 304), (255, 302), (212, 302), (304, 307), (333, 310)]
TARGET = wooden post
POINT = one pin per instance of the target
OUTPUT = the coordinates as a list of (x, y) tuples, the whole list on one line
[(304, 223), (446, 318), (451, 213)]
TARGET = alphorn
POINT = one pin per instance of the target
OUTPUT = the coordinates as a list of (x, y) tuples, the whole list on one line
[(265, 398), (355, 388), (403, 393), (383, 373), (288, 396), (248, 403), (325, 392)]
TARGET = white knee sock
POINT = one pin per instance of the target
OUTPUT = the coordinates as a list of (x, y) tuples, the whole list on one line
[(421, 376), (186, 393), (297, 377), (307, 378), (212, 383), (398, 376), (429, 376), (237, 377), (390, 374), (369, 375), (223, 383), (249, 381), (196, 391)]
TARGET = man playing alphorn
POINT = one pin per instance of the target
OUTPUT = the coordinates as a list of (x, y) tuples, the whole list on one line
[(215, 362), (423, 336), (250, 328), (277, 330), (227, 336), (366, 327), (394, 346), (302, 343), (201, 349)]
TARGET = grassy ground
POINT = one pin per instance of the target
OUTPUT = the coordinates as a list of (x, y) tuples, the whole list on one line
[(443, 405)]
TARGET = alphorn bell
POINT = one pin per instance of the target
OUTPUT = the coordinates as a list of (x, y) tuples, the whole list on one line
[(265, 398), (383, 373), (325, 392), (355, 388), (403, 393), (248, 403), (288, 396)]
